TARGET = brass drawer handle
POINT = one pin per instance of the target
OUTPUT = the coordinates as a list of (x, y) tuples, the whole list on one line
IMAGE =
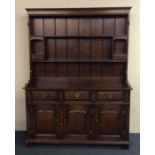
[(77, 95), (45, 96), (109, 96)]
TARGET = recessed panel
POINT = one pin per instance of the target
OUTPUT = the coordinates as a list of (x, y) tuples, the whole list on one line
[(76, 114), (97, 26), (37, 27), (45, 121), (96, 69), (72, 27), (107, 49), (49, 26), (72, 46), (50, 49), (61, 51), (84, 70), (84, 47), (38, 69), (109, 26), (108, 69), (110, 122), (120, 47), (60, 27), (62, 69), (121, 26), (96, 49), (73, 69), (50, 69), (120, 69), (37, 46), (84, 26)]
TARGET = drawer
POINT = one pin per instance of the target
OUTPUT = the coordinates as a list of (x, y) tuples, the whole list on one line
[(44, 95), (76, 95), (109, 96)]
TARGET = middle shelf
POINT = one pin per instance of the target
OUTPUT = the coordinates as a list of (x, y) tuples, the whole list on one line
[(123, 37), (78, 61), (81, 50)]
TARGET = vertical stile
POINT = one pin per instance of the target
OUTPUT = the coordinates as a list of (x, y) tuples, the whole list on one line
[(115, 66), (67, 47), (102, 47), (55, 47), (90, 48), (45, 52), (78, 47)]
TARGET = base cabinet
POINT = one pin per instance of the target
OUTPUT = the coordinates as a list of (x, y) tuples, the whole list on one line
[(61, 121)]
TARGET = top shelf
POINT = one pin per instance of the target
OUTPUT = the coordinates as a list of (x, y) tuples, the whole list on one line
[(78, 61), (65, 12), (124, 37)]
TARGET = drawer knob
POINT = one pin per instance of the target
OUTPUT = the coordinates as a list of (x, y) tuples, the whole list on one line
[(45, 96), (77, 95), (110, 96)]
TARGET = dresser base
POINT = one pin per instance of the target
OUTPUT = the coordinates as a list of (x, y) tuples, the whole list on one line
[(124, 144)]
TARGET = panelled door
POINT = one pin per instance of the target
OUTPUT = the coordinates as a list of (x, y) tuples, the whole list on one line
[(45, 120), (109, 121), (77, 120)]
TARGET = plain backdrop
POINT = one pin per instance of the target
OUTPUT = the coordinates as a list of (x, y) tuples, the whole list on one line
[(22, 53)]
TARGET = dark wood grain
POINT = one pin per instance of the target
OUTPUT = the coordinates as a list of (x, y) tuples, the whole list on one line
[(78, 91)]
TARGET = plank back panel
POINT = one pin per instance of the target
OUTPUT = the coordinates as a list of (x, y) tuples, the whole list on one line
[(72, 26), (50, 47), (60, 26), (49, 26), (91, 38)]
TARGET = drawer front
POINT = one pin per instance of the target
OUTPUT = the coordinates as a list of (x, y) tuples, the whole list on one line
[(76, 95), (44, 95), (109, 96)]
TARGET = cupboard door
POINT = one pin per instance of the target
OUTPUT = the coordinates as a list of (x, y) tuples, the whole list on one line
[(45, 119), (109, 121), (77, 123)]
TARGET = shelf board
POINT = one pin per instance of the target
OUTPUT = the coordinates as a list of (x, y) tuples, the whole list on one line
[(123, 37), (39, 38), (78, 61), (120, 37), (78, 37), (70, 37)]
